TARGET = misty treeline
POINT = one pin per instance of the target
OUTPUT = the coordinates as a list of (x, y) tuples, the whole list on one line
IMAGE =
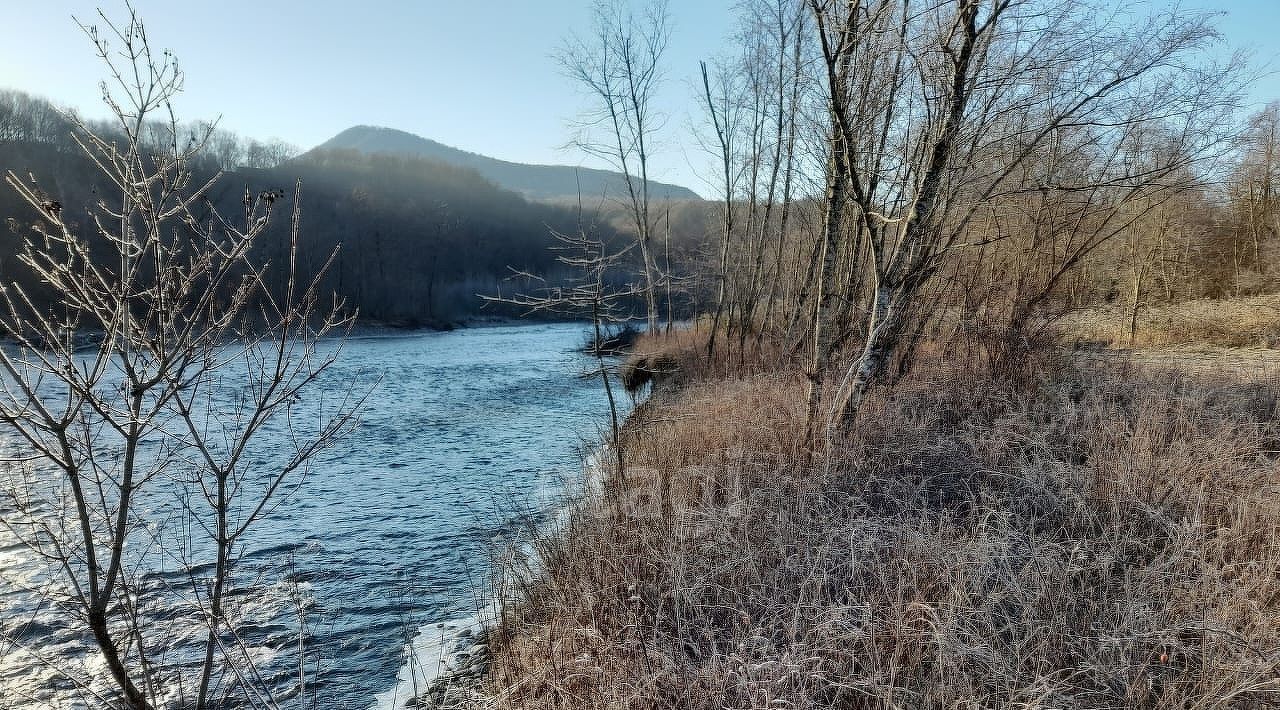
[(414, 242), (891, 172), (418, 242)]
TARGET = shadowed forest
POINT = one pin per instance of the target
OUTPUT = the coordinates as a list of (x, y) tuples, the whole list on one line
[(417, 241)]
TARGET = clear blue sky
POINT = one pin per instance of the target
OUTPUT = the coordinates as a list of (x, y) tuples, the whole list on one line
[(476, 75)]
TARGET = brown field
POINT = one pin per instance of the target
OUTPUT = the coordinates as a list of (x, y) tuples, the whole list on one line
[(1241, 322)]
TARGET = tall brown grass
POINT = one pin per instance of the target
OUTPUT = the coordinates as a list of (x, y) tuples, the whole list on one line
[(1253, 321), (679, 358), (1085, 538)]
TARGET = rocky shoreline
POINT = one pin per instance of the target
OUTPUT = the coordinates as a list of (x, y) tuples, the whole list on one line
[(460, 687)]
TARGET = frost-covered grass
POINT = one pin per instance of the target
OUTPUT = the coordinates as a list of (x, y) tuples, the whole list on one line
[(1079, 536)]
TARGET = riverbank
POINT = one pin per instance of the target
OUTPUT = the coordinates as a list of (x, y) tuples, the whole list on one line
[(1069, 533)]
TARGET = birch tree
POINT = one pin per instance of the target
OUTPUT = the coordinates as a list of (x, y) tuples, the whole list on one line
[(935, 108)]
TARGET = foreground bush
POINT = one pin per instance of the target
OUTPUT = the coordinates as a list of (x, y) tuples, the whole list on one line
[(1104, 539)]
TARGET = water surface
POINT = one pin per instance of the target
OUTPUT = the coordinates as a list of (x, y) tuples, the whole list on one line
[(394, 527)]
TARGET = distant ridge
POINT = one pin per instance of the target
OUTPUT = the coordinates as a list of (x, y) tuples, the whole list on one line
[(536, 182)]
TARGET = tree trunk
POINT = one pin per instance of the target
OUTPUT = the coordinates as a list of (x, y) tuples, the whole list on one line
[(133, 695), (822, 296), (666, 271), (726, 158), (650, 284), (877, 351), (1135, 303), (221, 572)]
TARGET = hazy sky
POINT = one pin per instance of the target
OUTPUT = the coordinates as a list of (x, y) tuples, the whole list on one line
[(476, 75)]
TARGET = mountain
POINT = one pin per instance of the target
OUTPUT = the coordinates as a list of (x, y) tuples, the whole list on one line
[(536, 182)]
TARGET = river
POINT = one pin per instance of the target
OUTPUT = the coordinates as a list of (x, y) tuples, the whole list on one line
[(466, 436)]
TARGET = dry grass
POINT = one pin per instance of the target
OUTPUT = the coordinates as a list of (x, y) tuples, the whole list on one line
[(678, 358), (1096, 537), (1237, 322)]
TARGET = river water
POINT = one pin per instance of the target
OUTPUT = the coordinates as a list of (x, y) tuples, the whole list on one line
[(466, 436)]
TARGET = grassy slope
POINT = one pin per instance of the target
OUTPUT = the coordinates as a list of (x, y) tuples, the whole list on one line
[(1092, 534)]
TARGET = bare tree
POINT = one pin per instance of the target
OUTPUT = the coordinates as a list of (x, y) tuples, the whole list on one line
[(268, 154), (725, 114), (619, 66), (166, 353), (938, 107), (1253, 195), (752, 102), (588, 289)]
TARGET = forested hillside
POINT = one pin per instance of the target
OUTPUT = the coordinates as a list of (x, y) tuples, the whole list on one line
[(418, 241)]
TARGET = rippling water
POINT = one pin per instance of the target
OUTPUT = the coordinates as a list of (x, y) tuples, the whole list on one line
[(394, 527)]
